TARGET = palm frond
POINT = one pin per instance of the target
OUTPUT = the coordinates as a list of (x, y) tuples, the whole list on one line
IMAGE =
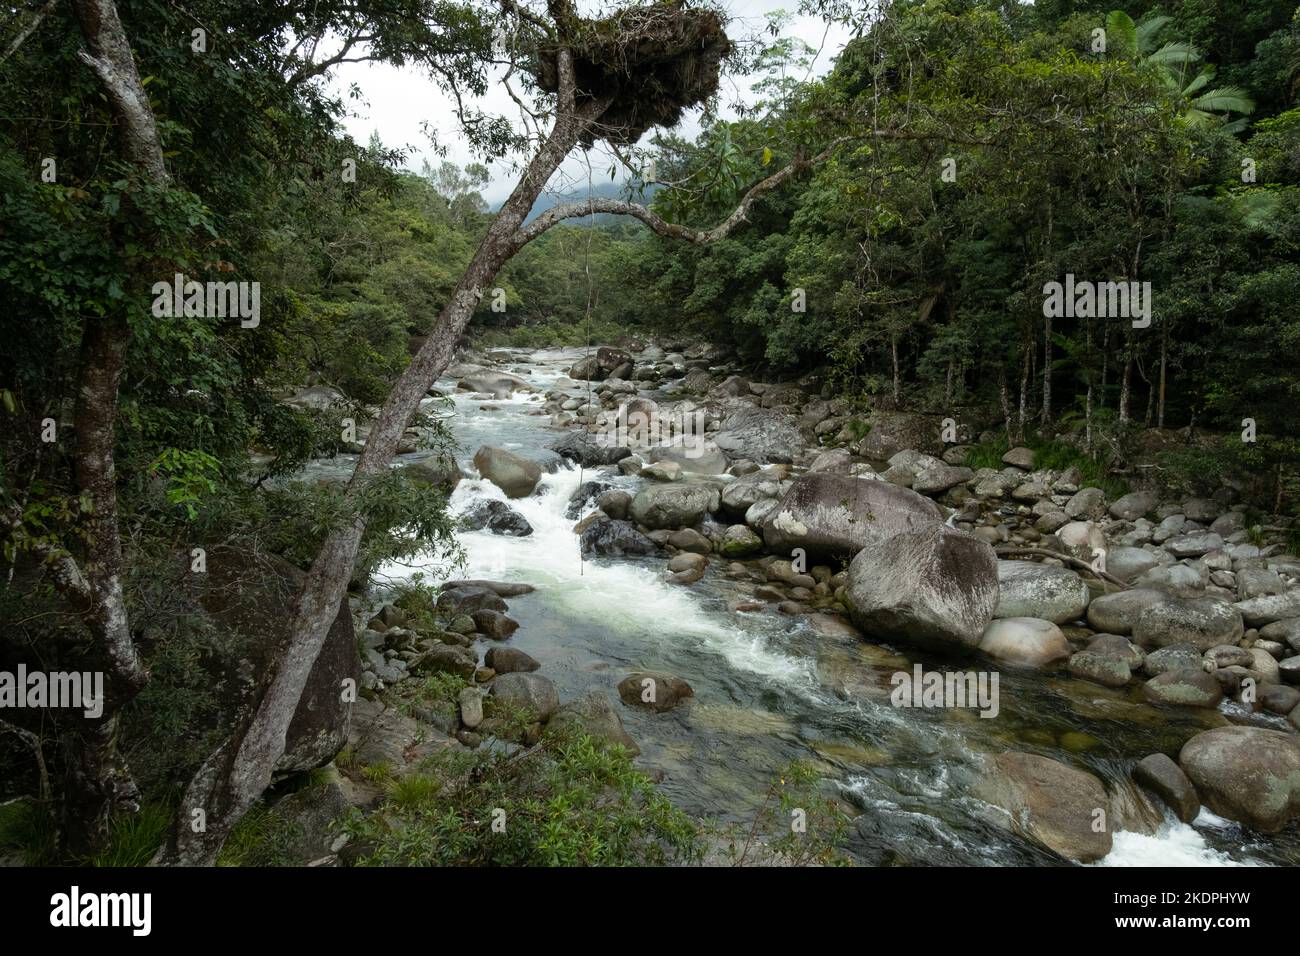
[(1121, 31), (1149, 29), (1225, 99)]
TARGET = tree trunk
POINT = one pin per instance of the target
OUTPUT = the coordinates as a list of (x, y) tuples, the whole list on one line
[(97, 782), (1024, 392), (1047, 371), (1005, 396), (893, 351), (1164, 366), (1126, 389), (235, 776)]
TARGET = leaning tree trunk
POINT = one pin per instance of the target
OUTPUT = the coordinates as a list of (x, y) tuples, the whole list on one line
[(235, 776)]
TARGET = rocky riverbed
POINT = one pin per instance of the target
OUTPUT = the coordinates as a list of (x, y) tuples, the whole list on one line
[(728, 575)]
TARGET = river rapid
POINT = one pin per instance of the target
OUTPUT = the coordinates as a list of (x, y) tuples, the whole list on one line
[(771, 689)]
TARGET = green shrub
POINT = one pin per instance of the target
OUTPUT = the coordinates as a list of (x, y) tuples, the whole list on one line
[(569, 801), (796, 825), (261, 838), (27, 826)]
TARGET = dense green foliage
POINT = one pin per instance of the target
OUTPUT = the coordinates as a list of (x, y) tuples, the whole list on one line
[(958, 157), (1170, 158)]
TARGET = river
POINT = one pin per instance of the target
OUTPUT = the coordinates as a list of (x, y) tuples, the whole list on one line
[(771, 689)]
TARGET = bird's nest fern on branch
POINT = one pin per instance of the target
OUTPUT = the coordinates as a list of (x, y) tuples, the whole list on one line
[(652, 62)]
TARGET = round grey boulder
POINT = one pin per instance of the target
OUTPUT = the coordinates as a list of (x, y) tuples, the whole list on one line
[(1205, 622), (1247, 774), (1028, 589)]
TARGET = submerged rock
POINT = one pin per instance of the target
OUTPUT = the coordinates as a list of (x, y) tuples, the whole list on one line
[(1050, 803), (655, 690)]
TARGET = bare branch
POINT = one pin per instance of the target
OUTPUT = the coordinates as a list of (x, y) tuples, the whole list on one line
[(27, 30)]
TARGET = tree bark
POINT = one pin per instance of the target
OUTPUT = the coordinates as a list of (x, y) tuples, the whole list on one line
[(1126, 389), (1164, 368), (97, 782)]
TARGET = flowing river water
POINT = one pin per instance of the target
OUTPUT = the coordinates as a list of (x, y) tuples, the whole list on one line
[(771, 688)]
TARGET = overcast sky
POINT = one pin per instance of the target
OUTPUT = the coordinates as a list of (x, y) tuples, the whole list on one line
[(397, 102)]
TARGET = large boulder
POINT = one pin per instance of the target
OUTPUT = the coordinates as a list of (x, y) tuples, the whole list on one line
[(836, 516), (1203, 621), (653, 690), (515, 475), (1247, 774), (244, 601), (675, 505), (595, 716), (1130, 507), (892, 432), (1185, 687), (600, 365), (759, 434), (1159, 773), (934, 477), (440, 471), (497, 517), (510, 660), (315, 398), (936, 586), (609, 538), (1260, 611), (694, 453), (1129, 564), (494, 383), (1026, 641), (1027, 589), (590, 451), (531, 694), (1117, 613), (1050, 803), (742, 494)]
